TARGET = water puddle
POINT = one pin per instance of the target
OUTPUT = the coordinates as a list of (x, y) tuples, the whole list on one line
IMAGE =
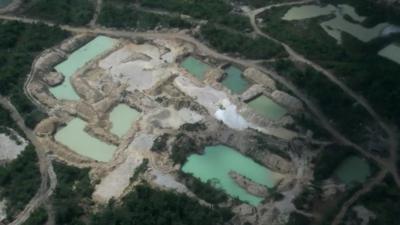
[(353, 169), (340, 23), (77, 60), (196, 67), (391, 52), (122, 117), (235, 81), (267, 108), (308, 12), (218, 161), (4, 3), (74, 137)]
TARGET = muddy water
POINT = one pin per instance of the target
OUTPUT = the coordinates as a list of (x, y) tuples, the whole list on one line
[(235, 81), (196, 67), (74, 137), (353, 169), (77, 60), (391, 52), (267, 108), (122, 117), (216, 163)]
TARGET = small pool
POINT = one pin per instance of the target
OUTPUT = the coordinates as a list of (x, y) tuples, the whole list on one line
[(308, 11), (74, 137), (391, 52), (235, 81), (196, 67), (122, 117), (267, 108), (4, 3), (77, 60), (353, 169), (216, 163)]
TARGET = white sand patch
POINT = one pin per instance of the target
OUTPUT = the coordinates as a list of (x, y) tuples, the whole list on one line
[(229, 115), (168, 182), (140, 66), (114, 184), (172, 119), (216, 102), (9, 149), (3, 214)]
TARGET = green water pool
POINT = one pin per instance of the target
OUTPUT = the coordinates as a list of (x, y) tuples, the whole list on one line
[(235, 81), (353, 169), (391, 52), (122, 117), (196, 67), (74, 137), (77, 60), (216, 163), (308, 11), (267, 108)]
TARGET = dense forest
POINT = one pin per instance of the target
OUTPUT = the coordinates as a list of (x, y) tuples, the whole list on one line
[(74, 12), (72, 197), (19, 45), (113, 15), (348, 117), (355, 62), (148, 206), (19, 181)]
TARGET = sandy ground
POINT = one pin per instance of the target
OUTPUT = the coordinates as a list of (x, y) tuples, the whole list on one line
[(169, 118), (114, 184), (3, 214), (142, 66), (9, 149)]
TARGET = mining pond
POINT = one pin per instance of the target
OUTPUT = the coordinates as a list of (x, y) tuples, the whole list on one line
[(267, 108), (216, 163), (122, 117), (353, 170), (76, 61), (196, 67), (78, 140), (234, 80)]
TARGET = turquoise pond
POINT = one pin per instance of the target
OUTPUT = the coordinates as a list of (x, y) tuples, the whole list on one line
[(267, 108), (122, 118), (196, 67), (216, 163), (353, 170), (78, 140), (235, 81), (76, 61)]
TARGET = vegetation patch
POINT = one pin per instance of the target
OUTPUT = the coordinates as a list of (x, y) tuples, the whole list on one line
[(129, 17), (19, 181), (74, 12), (228, 41), (148, 206), (353, 61), (38, 217), (72, 197), (19, 45)]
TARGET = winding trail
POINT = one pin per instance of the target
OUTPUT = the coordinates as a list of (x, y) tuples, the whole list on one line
[(99, 4), (48, 176), (388, 165), (367, 187), (390, 162)]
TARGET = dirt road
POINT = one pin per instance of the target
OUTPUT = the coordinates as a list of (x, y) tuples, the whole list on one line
[(48, 177)]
